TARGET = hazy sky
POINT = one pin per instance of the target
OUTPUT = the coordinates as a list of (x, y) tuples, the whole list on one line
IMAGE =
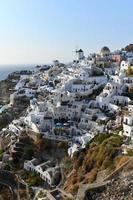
[(39, 31)]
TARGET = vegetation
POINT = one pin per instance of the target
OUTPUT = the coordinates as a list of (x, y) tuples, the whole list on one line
[(29, 150), (33, 179), (130, 152), (129, 71), (62, 145), (41, 194), (5, 119), (67, 164), (40, 143), (102, 153), (1, 154), (43, 144)]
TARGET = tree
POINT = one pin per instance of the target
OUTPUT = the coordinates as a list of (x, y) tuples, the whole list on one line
[(40, 143)]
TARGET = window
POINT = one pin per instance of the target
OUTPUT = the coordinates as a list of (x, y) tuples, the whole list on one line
[(126, 121)]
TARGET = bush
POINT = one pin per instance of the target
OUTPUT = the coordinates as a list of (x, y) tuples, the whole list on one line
[(115, 141), (79, 161), (91, 177), (75, 188), (101, 137), (67, 164), (34, 179), (88, 145), (130, 152), (81, 177), (107, 163), (62, 145), (28, 150), (1, 154), (74, 180)]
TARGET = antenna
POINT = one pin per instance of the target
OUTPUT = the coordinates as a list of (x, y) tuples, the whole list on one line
[(76, 48), (76, 51)]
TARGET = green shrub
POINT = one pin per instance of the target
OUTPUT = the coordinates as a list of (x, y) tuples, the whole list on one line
[(1, 154), (67, 164), (130, 152), (75, 188), (34, 179)]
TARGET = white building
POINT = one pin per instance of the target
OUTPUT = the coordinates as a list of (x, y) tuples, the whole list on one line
[(124, 65), (21, 83), (128, 126), (80, 54), (128, 122), (30, 165)]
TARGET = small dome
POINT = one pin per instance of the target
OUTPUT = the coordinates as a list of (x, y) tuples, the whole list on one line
[(80, 50), (103, 49)]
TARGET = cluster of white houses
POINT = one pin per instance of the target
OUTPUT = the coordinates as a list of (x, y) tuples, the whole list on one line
[(68, 113), (75, 101)]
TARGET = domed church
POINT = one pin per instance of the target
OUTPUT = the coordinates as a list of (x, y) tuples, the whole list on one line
[(105, 51)]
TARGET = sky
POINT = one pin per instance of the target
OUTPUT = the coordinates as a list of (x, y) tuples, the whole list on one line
[(39, 31)]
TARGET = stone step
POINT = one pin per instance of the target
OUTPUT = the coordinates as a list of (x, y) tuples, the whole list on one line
[(101, 175)]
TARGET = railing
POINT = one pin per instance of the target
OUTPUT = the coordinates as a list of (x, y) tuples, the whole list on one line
[(50, 136), (58, 138), (127, 124)]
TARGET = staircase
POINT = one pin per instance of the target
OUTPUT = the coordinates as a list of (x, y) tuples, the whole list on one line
[(101, 176)]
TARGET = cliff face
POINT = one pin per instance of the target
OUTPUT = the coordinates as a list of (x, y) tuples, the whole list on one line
[(5, 193), (119, 187), (6, 88), (102, 156)]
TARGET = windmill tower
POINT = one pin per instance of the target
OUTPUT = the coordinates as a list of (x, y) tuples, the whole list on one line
[(79, 54)]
